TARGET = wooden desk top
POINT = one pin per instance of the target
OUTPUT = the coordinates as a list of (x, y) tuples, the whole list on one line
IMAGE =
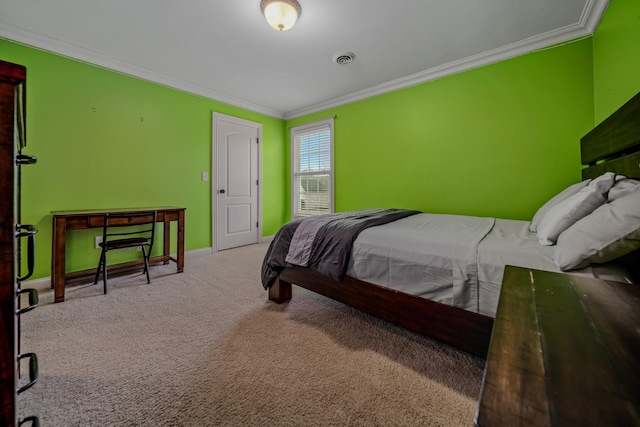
[(114, 210), (565, 351)]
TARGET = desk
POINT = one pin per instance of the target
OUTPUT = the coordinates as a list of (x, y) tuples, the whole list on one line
[(64, 221), (564, 352)]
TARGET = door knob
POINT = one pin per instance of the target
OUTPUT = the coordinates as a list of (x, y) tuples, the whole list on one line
[(222, 191)]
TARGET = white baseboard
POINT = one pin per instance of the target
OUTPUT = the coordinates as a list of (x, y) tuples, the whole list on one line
[(45, 282), (196, 253), (41, 283)]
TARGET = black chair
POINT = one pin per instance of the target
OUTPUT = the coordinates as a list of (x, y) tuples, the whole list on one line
[(117, 233)]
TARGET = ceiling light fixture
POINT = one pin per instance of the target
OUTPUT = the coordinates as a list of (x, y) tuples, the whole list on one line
[(281, 14)]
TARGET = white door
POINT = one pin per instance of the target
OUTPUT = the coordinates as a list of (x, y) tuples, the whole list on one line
[(236, 184)]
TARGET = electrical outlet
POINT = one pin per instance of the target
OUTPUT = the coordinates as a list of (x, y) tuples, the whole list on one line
[(98, 241)]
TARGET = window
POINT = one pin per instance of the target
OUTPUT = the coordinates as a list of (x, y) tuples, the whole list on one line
[(312, 169)]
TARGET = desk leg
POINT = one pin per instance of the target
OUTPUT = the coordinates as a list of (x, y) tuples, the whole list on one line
[(58, 258), (167, 241), (181, 241)]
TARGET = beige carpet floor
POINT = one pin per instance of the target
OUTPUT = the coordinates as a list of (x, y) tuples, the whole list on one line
[(206, 348)]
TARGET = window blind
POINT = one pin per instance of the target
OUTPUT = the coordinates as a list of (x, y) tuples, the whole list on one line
[(312, 170)]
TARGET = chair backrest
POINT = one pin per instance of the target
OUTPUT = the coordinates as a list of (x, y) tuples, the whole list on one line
[(118, 226)]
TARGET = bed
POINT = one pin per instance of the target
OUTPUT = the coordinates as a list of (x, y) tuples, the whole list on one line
[(386, 267)]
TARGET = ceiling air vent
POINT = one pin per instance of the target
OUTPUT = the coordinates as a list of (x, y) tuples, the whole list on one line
[(344, 58)]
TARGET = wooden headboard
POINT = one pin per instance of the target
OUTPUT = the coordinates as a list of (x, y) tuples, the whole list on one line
[(614, 145)]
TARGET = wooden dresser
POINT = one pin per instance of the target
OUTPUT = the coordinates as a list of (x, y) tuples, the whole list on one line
[(12, 234), (564, 351)]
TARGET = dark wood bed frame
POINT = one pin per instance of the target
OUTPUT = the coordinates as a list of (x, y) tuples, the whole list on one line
[(613, 145)]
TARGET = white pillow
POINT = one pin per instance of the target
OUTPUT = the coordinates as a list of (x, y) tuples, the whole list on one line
[(622, 186), (563, 195), (566, 213), (609, 232)]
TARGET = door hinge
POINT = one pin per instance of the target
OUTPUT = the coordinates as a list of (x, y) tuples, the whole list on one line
[(257, 140), (257, 182), (257, 224)]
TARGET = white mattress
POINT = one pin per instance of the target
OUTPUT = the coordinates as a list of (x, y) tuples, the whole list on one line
[(453, 259)]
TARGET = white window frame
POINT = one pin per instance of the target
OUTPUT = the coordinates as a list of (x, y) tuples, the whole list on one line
[(296, 132)]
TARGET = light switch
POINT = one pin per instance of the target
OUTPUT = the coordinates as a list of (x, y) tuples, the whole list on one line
[(205, 176)]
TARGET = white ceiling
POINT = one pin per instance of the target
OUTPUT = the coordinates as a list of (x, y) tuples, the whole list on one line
[(224, 49)]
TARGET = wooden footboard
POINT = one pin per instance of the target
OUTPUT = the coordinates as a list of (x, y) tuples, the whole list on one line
[(462, 329)]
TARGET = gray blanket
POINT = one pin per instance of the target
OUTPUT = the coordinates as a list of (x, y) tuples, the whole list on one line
[(322, 243)]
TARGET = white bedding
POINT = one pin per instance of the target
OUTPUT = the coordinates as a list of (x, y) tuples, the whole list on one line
[(453, 259)]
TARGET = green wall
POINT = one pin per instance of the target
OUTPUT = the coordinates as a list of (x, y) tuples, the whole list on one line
[(494, 141), (497, 140), (616, 53), (105, 140)]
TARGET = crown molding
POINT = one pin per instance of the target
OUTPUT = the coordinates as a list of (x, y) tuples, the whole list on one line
[(592, 14), (586, 26), (39, 41), (589, 20)]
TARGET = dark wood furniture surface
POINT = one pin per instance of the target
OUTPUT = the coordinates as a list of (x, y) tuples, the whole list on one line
[(564, 352), (64, 221), (616, 141), (10, 76), (614, 145)]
